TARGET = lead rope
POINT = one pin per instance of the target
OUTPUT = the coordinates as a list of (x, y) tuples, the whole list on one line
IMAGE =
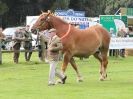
[(66, 32)]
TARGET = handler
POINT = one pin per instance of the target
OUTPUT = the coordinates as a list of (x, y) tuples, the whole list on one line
[(54, 46)]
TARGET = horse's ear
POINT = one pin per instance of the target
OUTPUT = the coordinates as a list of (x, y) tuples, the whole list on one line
[(49, 12)]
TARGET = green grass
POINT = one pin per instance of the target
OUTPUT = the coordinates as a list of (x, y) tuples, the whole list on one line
[(29, 80)]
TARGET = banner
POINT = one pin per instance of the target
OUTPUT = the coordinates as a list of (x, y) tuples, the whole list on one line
[(30, 20), (75, 20), (121, 43), (69, 12)]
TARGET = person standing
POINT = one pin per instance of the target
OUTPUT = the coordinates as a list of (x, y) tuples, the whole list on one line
[(130, 31), (27, 43), (2, 35), (2, 38), (17, 38), (54, 46), (113, 52), (122, 33), (42, 46)]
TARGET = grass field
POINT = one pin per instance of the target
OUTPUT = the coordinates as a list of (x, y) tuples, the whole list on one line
[(28, 80)]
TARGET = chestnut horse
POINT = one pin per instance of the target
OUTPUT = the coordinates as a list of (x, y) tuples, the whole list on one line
[(80, 43)]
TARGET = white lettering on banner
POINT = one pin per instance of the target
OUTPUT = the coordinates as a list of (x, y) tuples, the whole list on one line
[(75, 19), (121, 43), (30, 20)]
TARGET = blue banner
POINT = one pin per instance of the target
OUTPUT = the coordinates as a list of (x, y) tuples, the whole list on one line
[(70, 12)]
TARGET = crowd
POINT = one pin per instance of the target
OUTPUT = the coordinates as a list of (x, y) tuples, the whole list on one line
[(122, 32), (49, 49)]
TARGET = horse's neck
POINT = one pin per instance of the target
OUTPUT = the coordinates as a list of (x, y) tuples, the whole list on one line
[(62, 30), (60, 26)]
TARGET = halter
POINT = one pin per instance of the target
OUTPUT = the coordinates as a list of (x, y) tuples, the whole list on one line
[(68, 31), (45, 20)]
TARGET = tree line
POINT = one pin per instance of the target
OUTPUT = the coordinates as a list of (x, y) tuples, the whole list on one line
[(14, 12)]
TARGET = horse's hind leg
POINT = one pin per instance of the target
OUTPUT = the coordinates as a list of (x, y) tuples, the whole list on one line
[(79, 77), (104, 65), (98, 56), (102, 57)]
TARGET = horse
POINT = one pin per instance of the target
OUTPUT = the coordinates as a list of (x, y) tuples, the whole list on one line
[(76, 42)]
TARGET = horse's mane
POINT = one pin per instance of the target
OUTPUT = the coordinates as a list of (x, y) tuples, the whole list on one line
[(58, 18), (51, 14)]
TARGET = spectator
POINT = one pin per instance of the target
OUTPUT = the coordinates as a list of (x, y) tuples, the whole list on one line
[(17, 37), (122, 33), (2, 39), (2, 35), (27, 43), (130, 31), (42, 45), (112, 52)]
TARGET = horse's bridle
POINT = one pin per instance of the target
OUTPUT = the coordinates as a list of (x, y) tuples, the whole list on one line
[(45, 20)]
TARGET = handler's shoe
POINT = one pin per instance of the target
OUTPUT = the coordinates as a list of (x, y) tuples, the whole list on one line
[(64, 79), (51, 84)]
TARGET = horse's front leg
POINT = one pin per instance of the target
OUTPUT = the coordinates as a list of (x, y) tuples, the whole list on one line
[(79, 77), (66, 60)]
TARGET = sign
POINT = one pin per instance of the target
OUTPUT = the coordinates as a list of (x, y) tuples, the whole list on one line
[(84, 22), (121, 43), (31, 19), (70, 12), (107, 21), (75, 20)]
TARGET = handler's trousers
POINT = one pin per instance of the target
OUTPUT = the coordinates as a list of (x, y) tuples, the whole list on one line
[(53, 71), (28, 51), (16, 49)]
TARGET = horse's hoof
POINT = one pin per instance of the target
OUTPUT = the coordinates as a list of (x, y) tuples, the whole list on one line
[(80, 80), (101, 79)]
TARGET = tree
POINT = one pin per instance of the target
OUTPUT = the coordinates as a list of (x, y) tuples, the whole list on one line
[(3, 9), (113, 5), (14, 12), (60, 4)]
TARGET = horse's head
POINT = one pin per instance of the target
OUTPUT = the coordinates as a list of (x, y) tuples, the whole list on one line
[(42, 23)]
